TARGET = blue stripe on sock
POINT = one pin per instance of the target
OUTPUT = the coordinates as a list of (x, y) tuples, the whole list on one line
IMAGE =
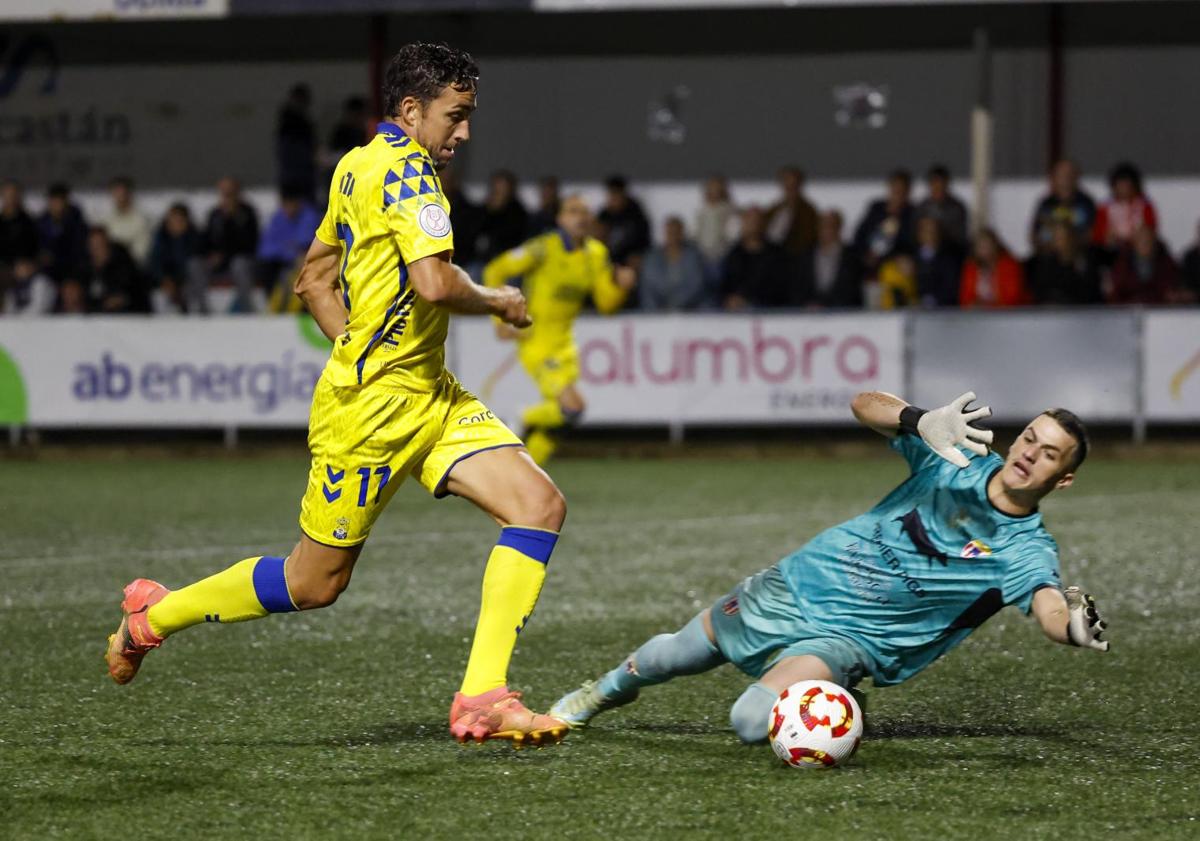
[(532, 543), (270, 585)]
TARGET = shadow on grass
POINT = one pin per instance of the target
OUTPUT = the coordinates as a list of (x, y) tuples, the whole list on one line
[(943, 730)]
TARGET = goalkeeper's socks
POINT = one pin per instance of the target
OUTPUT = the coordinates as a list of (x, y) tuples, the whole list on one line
[(686, 652), (249, 589)]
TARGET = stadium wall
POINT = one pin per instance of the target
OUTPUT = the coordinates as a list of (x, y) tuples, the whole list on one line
[(1124, 366)]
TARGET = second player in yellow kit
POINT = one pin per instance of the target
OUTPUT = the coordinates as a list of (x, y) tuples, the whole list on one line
[(379, 282), (558, 272)]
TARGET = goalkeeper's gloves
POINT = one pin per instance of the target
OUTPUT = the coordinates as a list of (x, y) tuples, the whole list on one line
[(1084, 625), (948, 428)]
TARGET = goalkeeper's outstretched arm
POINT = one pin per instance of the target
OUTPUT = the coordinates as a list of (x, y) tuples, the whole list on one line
[(879, 411), (1070, 617), (944, 430)]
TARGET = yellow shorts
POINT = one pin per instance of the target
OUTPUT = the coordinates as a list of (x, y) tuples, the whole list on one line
[(553, 369), (365, 440)]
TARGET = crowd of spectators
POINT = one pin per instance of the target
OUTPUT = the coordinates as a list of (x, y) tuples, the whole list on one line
[(902, 251)]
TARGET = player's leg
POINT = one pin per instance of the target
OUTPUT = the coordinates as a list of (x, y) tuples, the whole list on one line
[(751, 713), (562, 405), (312, 576), (505, 483), (689, 651)]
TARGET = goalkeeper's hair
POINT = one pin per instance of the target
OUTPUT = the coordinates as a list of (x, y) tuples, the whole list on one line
[(1074, 427), (424, 71)]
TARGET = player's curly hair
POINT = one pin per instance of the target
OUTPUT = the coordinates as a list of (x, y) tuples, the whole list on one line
[(423, 71), (1074, 427)]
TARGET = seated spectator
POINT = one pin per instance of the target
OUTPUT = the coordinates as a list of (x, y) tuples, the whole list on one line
[(714, 222), (1127, 212), (30, 291), (945, 208), (1191, 270), (896, 282), (755, 273), (625, 221), (1068, 273), (126, 225), (230, 243), (938, 266), (674, 277), (287, 237), (18, 232), (830, 274), (505, 220), (176, 263), (992, 277), (792, 220), (113, 284), (1065, 202), (545, 218), (62, 237), (889, 223), (466, 219), (1145, 272)]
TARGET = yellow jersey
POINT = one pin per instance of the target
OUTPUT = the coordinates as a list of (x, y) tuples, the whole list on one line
[(557, 280), (386, 211)]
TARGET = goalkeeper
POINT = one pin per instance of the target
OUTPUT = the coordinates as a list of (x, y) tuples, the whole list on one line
[(558, 271), (888, 592)]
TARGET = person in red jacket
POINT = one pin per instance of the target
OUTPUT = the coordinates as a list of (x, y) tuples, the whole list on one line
[(992, 277), (1123, 215), (1145, 273)]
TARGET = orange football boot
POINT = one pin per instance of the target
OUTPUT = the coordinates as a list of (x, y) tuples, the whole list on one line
[(133, 638), (499, 714)]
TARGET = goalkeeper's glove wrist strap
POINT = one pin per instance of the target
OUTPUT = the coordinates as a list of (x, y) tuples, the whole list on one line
[(909, 417)]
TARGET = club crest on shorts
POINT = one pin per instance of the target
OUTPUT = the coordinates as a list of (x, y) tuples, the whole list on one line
[(434, 220), (341, 531), (731, 607), (976, 549)]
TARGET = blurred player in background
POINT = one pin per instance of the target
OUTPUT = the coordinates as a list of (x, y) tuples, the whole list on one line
[(889, 592), (558, 271), (379, 282)]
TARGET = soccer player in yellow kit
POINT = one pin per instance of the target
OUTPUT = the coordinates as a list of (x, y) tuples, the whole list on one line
[(379, 282), (559, 270)]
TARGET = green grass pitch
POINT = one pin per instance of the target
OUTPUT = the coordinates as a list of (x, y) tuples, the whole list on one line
[(332, 724)]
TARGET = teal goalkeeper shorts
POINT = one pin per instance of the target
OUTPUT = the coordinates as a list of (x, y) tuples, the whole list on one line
[(757, 624)]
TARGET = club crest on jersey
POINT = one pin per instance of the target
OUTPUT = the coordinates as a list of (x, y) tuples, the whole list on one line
[(434, 220), (341, 531), (976, 549), (731, 607)]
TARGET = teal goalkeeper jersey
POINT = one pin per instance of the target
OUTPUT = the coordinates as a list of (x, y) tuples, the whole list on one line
[(912, 577)]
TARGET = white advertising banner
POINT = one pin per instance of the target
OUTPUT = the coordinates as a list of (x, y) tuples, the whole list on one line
[(701, 368), (128, 372), (100, 9), (1171, 365)]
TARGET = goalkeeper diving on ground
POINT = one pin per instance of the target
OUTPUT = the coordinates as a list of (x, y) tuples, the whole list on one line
[(887, 593)]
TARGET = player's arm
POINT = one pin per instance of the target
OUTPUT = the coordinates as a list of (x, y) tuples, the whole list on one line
[(515, 262), (1069, 618), (612, 286), (944, 429), (317, 286), (445, 285)]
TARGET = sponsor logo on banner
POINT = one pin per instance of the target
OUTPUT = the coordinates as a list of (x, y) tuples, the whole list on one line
[(1171, 365), (702, 368)]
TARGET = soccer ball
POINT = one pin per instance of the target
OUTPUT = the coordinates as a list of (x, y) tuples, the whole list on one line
[(815, 724)]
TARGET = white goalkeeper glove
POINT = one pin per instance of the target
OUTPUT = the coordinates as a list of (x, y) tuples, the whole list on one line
[(948, 428), (1084, 625)]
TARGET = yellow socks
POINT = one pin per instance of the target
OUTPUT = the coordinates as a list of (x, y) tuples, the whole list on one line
[(541, 445), (511, 584), (548, 414), (249, 589)]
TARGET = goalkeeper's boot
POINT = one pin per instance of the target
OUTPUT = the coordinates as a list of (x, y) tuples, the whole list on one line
[(499, 714), (133, 638), (579, 707)]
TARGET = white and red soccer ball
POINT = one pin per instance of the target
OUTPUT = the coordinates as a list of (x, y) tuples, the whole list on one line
[(815, 724)]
